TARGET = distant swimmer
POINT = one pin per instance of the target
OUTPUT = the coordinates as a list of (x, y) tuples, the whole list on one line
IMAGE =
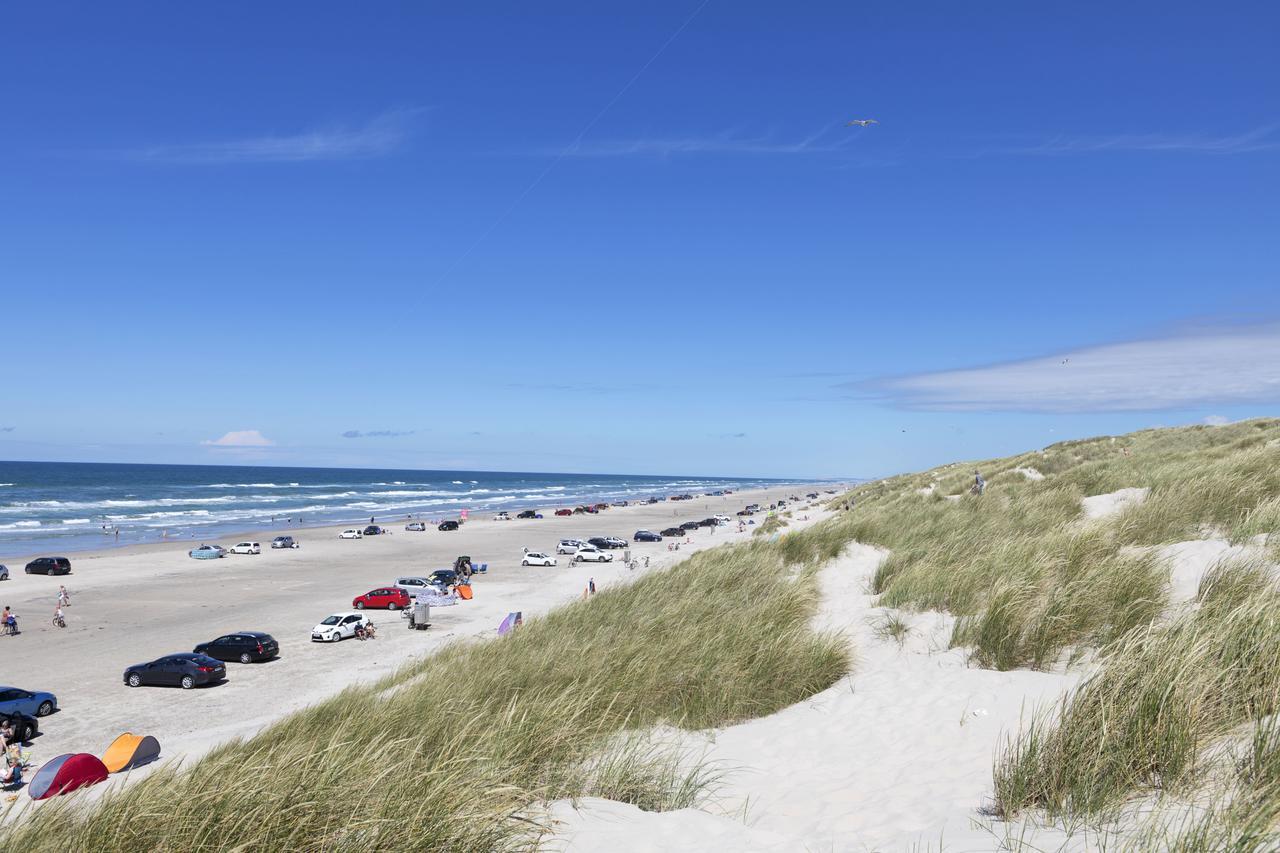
[(861, 122)]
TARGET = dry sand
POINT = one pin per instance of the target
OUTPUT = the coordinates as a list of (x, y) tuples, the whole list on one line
[(135, 604)]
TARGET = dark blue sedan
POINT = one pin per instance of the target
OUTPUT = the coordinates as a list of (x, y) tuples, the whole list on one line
[(183, 670)]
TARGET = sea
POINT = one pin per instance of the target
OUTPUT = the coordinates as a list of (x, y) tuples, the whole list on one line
[(55, 507)]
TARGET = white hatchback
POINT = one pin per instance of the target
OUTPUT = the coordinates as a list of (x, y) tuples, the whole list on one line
[(536, 558), (351, 533), (339, 626), (246, 548)]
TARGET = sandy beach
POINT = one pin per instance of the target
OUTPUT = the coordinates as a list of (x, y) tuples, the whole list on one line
[(135, 604)]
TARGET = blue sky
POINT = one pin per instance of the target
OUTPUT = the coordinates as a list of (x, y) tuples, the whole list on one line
[(564, 237)]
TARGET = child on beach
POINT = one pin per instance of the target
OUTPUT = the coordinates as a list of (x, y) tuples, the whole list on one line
[(58, 619), (64, 599)]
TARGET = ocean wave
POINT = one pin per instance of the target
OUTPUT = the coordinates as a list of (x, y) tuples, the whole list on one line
[(20, 525), (77, 521)]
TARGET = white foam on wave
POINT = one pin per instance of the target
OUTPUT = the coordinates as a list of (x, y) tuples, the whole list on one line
[(20, 525)]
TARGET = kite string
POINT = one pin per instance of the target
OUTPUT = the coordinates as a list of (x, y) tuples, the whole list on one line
[(577, 140)]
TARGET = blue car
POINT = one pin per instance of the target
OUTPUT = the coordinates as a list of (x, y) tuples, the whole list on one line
[(33, 704)]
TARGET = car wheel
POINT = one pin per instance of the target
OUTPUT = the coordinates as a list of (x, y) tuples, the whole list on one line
[(524, 562), (188, 682), (245, 657), (359, 605), (45, 709), (393, 606), (135, 680), (27, 733)]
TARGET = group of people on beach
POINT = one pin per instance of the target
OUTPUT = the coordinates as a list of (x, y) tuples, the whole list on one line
[(9, 619)]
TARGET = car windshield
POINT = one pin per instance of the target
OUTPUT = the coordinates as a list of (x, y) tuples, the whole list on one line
[(332, 620)]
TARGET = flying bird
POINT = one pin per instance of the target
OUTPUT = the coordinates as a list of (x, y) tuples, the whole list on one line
[(861, 122)]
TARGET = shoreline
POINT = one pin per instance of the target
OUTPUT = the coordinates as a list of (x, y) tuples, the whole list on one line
[(269, 530)]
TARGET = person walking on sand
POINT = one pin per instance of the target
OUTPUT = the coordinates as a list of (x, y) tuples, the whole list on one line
[(591, 585), (64, 600)]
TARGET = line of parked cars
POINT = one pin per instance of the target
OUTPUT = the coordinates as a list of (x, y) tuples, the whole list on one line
[(206, 664)]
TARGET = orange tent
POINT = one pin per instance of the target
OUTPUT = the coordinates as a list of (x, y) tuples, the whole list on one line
[(129, 751)]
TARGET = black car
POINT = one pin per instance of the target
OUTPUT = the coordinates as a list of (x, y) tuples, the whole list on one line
[(373, 530), (444, 577), (24, 726), (646, 536), (530, 513), (243, 646), (708, 522), (606, 542), (673, 531), (690, 525), (183, 670), (49, 566), (448, 525)]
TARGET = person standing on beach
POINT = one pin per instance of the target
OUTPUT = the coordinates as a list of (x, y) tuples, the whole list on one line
[(591, 585), (64, 600)]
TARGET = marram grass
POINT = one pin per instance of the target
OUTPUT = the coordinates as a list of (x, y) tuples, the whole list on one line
[(455, 751)]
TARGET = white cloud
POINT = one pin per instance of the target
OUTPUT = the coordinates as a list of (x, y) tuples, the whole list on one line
[(1225, 366), (1217, 420), (1259, 139), (241, 438), (723, 143), (376, 138)]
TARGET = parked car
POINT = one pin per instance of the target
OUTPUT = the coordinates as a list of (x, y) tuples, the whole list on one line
[(416, 526), (373, 530), (49, 566), (207, 552), (4, 572), (564, 512), (607, 542), (647, 536), (284, 542), (530, 513), (246, 548), (568, 546), (384, 597), (592, 554), (537, 558), (24, 726), (243, 646), (443, 577), (502, 516), (185, 670), (14, 700), (690, 525), (448, 525), (412, 584), (708, 522), (723, 519), (338, 627), (351, 533), (745, 512), (673, 531)]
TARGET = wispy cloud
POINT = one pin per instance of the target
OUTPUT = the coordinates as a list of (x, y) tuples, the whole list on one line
[(376, 138), (1259, 139), (7, 429), (377, 433), (825, 140), (241, 438), (1236, 365)]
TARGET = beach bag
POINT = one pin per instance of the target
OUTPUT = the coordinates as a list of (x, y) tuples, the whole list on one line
[(464, 591)]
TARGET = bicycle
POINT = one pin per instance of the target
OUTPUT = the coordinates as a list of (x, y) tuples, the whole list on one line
[(59, 621)]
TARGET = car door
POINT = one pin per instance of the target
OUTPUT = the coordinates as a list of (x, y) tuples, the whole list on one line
[(349, 625), (9, 701)]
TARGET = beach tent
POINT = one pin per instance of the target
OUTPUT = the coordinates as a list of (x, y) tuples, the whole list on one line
[(129, 751), (66, 773), (509, 624)]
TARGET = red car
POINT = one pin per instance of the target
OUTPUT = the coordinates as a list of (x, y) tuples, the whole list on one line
[(384, 597), (564, 512)]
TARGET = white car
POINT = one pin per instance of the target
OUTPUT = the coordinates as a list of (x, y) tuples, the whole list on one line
[(592, 554), (338, 627), (502, 516), (246, 548), (351, 533), (568, 546), (536, 558), (723, 520)]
